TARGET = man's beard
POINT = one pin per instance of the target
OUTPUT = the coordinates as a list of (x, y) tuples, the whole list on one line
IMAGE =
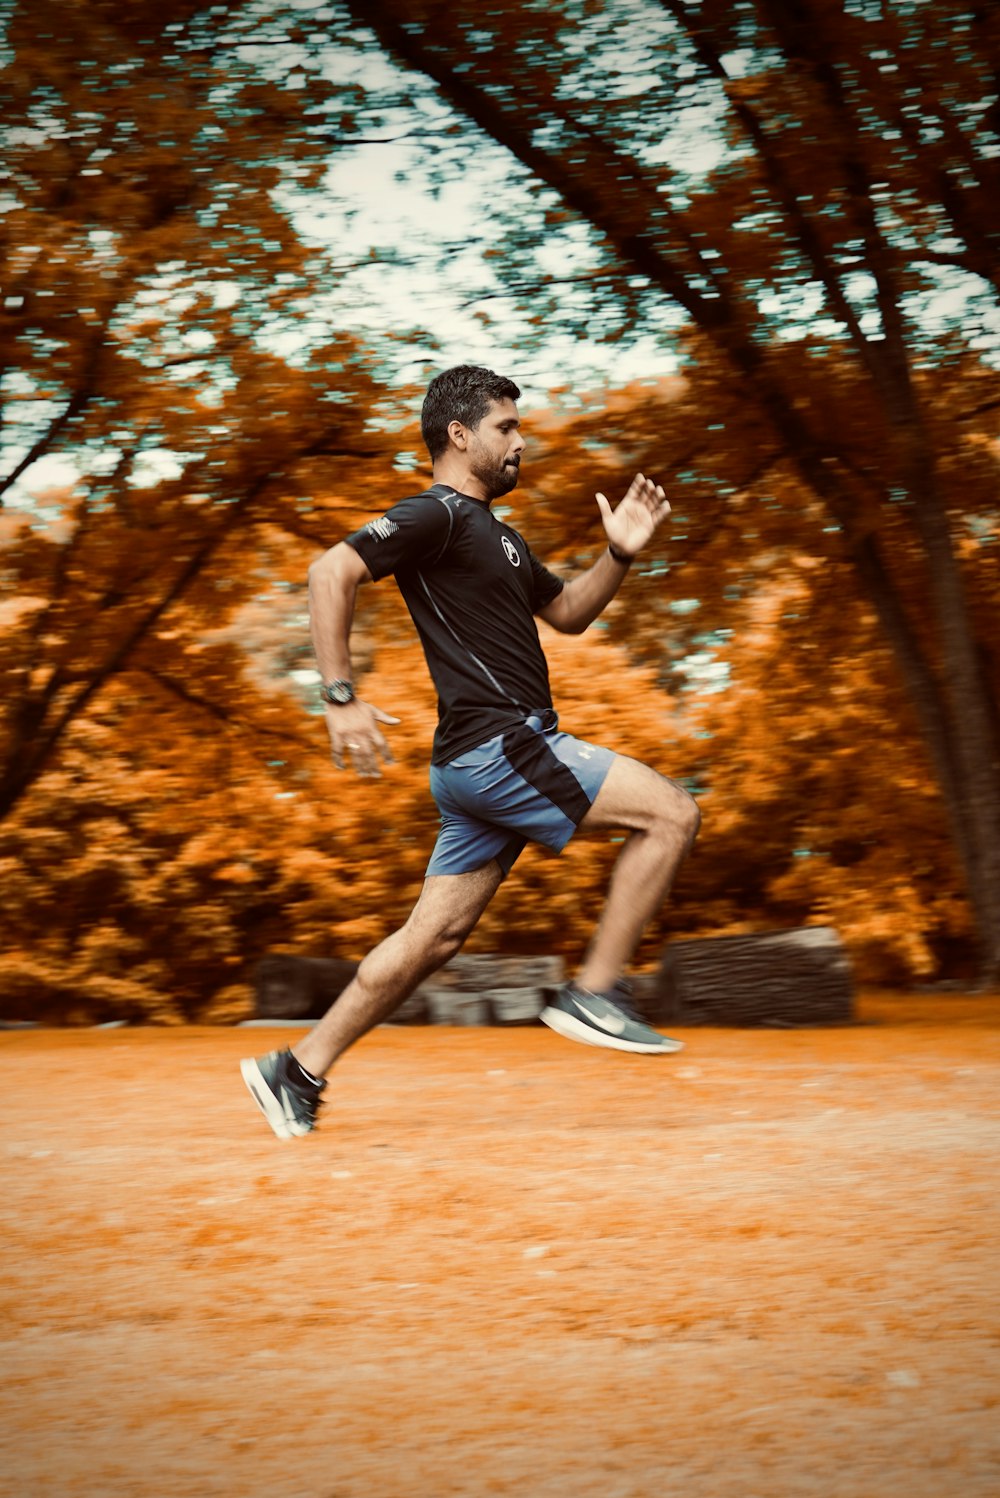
[(496, 478)]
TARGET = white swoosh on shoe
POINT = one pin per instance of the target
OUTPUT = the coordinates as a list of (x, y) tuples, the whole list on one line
[(290, 1115), (613, 1023)]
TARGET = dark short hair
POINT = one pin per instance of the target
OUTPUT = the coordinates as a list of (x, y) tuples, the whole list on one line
[(463, 393)]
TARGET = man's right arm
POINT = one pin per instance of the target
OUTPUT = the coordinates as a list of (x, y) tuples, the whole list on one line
[(334, 580)]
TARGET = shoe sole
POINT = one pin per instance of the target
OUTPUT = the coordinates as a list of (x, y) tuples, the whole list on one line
[(576, 1029), (265, 1099)]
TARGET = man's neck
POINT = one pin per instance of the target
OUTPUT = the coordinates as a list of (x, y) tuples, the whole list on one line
[(459, 477)]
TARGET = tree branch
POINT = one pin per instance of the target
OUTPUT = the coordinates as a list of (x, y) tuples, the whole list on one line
[(74, 406), (802, 226), (218, 711), (40, 746)]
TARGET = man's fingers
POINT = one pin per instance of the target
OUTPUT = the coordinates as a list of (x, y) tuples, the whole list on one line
[(363, 759), (384, 717), (367, 766), (380, 746), (651, 493), (641, 490), (651, 497), (364, 752), (644, 491)]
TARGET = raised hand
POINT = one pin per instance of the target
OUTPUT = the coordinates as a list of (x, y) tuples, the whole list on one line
[(630, 526)]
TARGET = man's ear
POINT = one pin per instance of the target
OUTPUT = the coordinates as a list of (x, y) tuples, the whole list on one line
[(458, 434)]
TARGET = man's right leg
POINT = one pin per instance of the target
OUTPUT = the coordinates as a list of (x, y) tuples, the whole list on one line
[(448, 909), (662, 822)]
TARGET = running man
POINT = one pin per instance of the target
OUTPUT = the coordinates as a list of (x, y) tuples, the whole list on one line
[(502, 773)]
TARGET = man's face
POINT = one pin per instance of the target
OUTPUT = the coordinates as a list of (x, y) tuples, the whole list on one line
[(495, 448)]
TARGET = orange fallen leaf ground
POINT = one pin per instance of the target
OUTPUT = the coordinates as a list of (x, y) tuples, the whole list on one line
[(508, 1265)]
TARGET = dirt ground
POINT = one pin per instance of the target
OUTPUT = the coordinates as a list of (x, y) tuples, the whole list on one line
[(507, 1264)]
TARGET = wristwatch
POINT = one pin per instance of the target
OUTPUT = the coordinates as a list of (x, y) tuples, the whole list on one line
[(622, 557), (338, 692)]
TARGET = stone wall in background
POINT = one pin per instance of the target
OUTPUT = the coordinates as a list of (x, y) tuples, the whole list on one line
[(776, 978)]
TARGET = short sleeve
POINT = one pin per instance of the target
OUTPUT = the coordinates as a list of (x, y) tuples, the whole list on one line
[(414, 531), (546, 585)]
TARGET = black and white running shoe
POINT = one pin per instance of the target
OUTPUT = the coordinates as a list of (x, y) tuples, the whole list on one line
[(286, 1099), (605, 1019)]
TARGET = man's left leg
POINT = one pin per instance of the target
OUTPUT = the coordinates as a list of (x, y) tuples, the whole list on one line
[(287, 1084), (662, 822), (443, 917)]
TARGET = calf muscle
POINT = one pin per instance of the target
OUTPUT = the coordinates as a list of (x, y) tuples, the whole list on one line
[(446, 913)]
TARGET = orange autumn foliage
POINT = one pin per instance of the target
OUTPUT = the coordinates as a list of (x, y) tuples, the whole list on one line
[(168, 809)]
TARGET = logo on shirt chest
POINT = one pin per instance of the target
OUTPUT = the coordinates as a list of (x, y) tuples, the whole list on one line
[(513, 555)]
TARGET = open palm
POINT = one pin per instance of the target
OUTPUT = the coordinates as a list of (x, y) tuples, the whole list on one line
[(632, 523)]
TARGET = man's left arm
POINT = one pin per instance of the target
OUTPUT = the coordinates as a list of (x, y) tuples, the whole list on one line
[(628, 528)]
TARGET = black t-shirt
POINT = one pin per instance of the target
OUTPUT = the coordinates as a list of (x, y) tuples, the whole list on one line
[(472, 586)]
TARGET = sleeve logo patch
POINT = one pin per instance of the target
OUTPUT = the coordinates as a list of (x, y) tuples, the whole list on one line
[(382, 528)]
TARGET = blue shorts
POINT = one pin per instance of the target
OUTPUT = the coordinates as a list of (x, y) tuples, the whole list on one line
[(530, 783)]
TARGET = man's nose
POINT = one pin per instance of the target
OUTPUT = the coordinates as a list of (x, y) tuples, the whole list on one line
[(518, 444)]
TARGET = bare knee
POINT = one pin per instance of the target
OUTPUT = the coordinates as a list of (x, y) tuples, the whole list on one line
[(447, 945), (691, 819), (677, 812), (442, 939)]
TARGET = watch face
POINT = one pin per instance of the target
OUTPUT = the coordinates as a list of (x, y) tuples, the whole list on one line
[(339, 691)]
